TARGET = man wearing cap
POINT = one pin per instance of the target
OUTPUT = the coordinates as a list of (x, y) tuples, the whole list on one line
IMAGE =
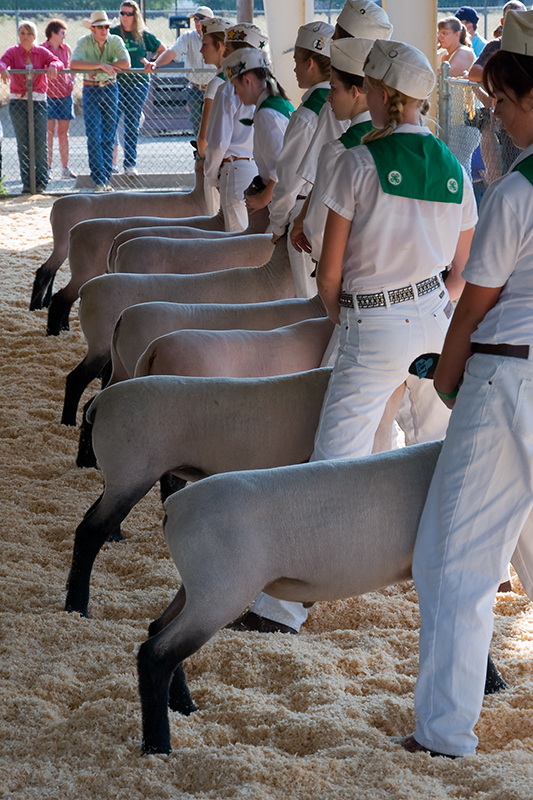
[(187, 47), (102, 54), (470, 18), (476, 70)]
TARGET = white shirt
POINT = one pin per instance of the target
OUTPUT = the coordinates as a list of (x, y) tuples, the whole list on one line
[(269, 130), (502, 255), (328, 128), (226, 135), (298, 135), (393, 240), (317, 212), (212, 86), (187, 47)]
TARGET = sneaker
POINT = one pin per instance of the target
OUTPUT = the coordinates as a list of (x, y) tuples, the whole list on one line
[(66, 173), (114, 170), (131, 172), (108, 188), (99, 188)]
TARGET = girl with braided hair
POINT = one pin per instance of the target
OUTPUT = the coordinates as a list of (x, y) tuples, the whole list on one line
[(401, 209)]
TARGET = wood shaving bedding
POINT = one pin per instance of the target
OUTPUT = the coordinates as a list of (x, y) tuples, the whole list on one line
[(279, 716)]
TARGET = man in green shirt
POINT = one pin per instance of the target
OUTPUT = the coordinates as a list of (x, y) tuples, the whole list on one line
[(101, 54)]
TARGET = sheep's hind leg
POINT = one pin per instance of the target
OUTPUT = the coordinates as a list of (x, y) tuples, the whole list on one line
[(41, 294)]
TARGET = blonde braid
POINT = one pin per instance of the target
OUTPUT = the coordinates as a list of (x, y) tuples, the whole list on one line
[(397, 101)]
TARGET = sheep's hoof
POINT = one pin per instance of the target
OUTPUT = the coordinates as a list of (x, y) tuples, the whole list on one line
[(42, 290), (494, 681), (78, 608), (155, 749), (249, 621), (58, 315)]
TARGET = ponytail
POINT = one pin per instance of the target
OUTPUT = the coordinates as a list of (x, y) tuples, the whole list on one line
[(397, 101)]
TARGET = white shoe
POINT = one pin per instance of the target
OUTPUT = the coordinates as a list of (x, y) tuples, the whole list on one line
[(131, 172), (108, 188), (99, 188), (66, 173)]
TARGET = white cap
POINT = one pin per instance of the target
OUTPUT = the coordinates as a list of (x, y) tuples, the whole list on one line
[(517, 36), (315, 36), (203, 11), (365, 19), (246, 32), (241, 61), (349, 55), (215, 25), (401, 67)]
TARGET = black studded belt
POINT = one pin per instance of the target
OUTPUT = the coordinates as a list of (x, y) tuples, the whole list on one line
[(377, 300)]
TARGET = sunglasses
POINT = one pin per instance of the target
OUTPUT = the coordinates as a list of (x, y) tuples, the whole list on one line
[(105, 27), (127, 13)]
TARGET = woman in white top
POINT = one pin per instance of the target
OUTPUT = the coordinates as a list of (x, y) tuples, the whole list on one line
[(401, 210), (255, 85), (312, 69), (452, 36), (229, 163), (213, 49), (475, 518)]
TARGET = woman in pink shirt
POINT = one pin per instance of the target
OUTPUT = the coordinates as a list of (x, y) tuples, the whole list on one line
[(60, 105), (18, 57)]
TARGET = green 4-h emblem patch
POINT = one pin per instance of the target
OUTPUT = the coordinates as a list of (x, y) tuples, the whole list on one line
[(395, 177)]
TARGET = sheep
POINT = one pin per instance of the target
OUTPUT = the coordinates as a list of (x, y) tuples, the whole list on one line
[(89, 262), (314, 532), (218, 425), (69, 211), (238, 353), (141, 324), (104, 298)]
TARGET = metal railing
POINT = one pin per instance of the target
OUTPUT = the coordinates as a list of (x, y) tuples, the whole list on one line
[(468, 126), (151, 141)]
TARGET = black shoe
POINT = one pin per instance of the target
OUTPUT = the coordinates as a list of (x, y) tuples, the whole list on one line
[(253, 622)]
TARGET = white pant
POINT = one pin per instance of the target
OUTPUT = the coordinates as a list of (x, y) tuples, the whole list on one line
[(422, 416), (376, 347), (235, 177), (423, 324), (302, 264), (480, 497)]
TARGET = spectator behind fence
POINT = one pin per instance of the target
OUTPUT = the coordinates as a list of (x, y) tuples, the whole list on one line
[(59, 93), (470, 18), (497, 149), (187, 46), (18, 57), (133, 87), (463, 139), (103, 54)]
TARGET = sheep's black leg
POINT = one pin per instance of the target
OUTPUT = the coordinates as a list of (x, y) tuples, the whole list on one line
[(42, 289), (58, 314), (494, 681), (76, 383), (169, 484), (86, 457)]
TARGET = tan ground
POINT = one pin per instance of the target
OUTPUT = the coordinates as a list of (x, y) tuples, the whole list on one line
[(281, 717)]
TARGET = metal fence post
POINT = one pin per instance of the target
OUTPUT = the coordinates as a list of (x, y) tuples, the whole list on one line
[(31, 127), (444, 102)]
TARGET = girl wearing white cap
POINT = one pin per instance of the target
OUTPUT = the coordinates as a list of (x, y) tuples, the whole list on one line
[(312, 69), (400, 210), (213, 49), (254, 84), (359, 19), (229, 163), (475, 518), (347, 99)]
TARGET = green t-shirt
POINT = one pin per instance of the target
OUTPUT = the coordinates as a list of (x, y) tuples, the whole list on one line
[(417, 166), (87, 49), (137, 51)]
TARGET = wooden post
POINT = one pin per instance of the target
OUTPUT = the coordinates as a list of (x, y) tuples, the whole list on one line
[(245, 10)]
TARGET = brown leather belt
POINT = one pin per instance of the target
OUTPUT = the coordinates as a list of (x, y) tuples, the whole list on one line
[(512, 350), (377, 300)]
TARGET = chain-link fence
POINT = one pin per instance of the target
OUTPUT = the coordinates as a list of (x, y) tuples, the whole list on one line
[(467, 125), (129, 135)]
